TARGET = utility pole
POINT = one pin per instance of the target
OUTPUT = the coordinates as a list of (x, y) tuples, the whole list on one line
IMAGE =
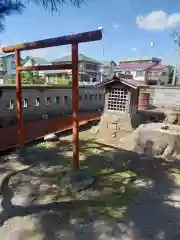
[(176, 39), (102, 65)]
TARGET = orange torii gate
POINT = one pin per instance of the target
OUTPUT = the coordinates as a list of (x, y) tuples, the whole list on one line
[(74, 40)]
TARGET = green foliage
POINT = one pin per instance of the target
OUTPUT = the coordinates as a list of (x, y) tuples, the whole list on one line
[(63, 81), (28, 78), (171, 73), (10, 7), (17, 6), (12, 80)]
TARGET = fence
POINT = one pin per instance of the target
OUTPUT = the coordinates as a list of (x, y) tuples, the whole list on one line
[(163, 96), (40, 101)]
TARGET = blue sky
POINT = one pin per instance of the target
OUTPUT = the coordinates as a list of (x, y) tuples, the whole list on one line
[(126, 34)]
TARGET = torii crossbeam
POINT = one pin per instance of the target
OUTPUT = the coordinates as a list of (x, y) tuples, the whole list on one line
[(73, 40)]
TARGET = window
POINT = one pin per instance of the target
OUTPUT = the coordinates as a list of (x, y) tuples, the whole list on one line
[(85, 97), (37, 102), (10, 104), (80, 98), (47, 100), (66, 99), (150, 74), (91, 97), (118, 99), (154, 74), (91, 66), (95, 96), (140, 73), (105, 67), (56, 100), (100, 96), (164, 73), (24, 102)]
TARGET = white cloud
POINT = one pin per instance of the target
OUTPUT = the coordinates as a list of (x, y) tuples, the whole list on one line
[(134, 49), (115, 25), (158, 20)]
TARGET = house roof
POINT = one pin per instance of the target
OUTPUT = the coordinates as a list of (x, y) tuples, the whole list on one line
[(131, 66), (140, 60), (81, 57), (37, 60), (6, 54), (158, 67), (130, 82), (106, 63)]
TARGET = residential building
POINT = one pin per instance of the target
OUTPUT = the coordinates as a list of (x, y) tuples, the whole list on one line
[(36, 61), (107, 69), (48, 76), (52, 76), (147, 70), (89, 69), (7, 67)]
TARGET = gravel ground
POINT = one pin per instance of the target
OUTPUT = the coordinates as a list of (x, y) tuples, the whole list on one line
[(134, 197)]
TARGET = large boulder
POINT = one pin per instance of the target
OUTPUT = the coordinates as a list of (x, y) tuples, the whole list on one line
[(171, 118), (153, 139)]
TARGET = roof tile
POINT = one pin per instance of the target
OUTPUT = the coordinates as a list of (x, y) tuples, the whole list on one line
[(142, 66), (81, 58)]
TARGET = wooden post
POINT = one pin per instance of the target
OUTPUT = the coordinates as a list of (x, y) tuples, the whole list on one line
[(75, 106), (19, 100)]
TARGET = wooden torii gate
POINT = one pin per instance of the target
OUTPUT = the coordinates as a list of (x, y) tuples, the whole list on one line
[(73, 40)]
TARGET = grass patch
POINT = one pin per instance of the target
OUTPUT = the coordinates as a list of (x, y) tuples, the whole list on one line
[(175, 174), (116, 213)]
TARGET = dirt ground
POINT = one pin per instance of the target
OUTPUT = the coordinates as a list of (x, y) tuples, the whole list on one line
[(134, 197)]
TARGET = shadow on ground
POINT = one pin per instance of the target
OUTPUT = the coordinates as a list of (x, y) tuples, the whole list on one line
[(135, 197)]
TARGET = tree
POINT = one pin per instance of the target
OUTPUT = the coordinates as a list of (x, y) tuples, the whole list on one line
[(171, 73), (9, 7), (29, 77), (63, 81)]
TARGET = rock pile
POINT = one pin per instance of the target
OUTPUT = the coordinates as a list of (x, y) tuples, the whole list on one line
[(151, 139), (172, 117)]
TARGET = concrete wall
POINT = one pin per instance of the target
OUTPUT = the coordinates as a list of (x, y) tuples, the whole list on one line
[(162, 96), (91, 99)]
